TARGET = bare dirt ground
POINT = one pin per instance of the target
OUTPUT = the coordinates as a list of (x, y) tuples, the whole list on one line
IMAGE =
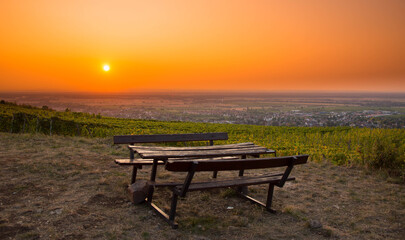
[(69, 188)]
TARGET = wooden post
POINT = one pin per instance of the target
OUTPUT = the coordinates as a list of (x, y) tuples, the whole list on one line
[(243, 189), (134, 171), (270, 198), (173, 206), (215, 173), (154, 170)]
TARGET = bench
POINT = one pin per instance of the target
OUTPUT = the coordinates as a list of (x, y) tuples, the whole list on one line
[(240, 182), (137, 163)]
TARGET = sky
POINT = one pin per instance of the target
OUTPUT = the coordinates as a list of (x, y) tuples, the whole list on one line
[(261, 45)]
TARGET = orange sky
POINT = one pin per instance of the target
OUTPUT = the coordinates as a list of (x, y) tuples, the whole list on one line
[(335, 45)]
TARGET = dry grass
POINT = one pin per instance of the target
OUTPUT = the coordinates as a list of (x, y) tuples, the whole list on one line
[(69, 188)]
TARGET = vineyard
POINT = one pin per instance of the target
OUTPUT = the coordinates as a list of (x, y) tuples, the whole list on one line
[(382, 149)]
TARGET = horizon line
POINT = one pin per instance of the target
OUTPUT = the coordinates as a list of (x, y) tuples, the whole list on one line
[(201, 91)]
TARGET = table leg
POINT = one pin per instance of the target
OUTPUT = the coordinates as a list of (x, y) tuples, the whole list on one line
[(243, 189), (154, 170), (134, 171)]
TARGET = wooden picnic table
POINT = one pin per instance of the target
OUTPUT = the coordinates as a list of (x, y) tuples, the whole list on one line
[(211, 158), (214, 152)]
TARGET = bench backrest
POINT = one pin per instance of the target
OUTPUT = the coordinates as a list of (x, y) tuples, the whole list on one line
[(159, 138), (238, 164)]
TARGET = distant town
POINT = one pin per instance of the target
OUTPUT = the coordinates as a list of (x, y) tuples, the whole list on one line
[(269, 109), (365, 118)]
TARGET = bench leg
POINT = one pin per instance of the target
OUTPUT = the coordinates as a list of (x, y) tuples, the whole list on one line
[(215, 174), (270, 198), (168, 218), (244, 189), (154, 170), (173, 207), (134, 171)]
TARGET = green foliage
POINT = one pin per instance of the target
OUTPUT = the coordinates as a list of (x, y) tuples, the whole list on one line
[(374, 148), (386, 152)]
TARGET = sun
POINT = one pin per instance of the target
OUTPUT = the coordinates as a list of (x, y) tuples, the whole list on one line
[(106, 68)]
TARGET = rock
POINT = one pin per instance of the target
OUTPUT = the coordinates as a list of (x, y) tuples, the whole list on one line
[(314, 224)]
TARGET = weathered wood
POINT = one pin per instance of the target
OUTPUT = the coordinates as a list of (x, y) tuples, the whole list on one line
[(255, 201), (156, 138), (154, 170), (238, 164), (206, 159), (187, 182), (134, 172), (201, 158), (192, 166), (138, 191), (235, 183), (136, 161), (203, 153), (141, 161), (160, 212), (206, 149), (195, 148), (174, 184), (270, 195)]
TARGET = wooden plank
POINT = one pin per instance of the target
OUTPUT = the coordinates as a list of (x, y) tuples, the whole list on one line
[(172, 184), (214, 147), (203, 153), (235, 183), (136, 161), (156, 138), (197, 149), (141, 161), (206, 159), (238, 164)]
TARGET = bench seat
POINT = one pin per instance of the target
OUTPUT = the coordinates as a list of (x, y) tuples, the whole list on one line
[(236, 182), (240, 183), (225, 182)]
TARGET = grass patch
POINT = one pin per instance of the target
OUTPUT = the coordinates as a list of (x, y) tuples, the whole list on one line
[(228, 193), (91, 190), (199, 223)]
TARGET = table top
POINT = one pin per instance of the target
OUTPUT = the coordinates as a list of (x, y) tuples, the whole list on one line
[(239, 149)]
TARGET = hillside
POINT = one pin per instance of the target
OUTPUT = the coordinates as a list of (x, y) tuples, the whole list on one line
[(62, 187), (374, 149)]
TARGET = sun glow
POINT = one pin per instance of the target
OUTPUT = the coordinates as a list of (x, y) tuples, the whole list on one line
[(229, 45)]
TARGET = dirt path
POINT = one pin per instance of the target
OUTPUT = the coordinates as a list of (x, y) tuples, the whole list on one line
[(69, 188)]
